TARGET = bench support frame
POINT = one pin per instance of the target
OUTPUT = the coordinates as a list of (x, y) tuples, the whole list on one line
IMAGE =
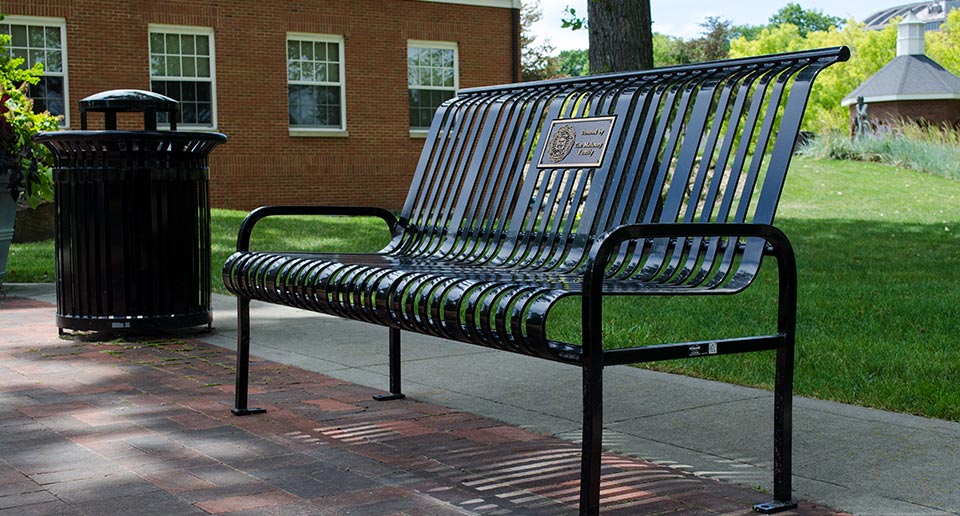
[(395, 392)]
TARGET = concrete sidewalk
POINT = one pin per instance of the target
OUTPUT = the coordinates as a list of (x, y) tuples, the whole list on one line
[(863, 461)]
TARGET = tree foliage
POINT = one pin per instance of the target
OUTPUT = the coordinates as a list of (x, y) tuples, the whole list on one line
[(871, 51), (806, 20), (714, 42), (942, 46), (668, 50), (573, 63), (536, 61)]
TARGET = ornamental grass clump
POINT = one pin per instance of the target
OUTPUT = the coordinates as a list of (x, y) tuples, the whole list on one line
[(924, 148)]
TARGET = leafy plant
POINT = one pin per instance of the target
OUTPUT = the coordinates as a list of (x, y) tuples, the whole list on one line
[(26, 163)]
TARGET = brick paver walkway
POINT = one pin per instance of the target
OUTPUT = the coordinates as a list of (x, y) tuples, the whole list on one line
[(143, 426)]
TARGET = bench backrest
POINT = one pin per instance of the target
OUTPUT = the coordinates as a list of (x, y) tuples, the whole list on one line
[(526, 176)]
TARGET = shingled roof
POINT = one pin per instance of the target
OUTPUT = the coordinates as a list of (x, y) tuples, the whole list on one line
[(911, 77)]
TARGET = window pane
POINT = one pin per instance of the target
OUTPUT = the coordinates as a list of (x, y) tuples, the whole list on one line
[(189, 66), (414, 108), (293, 105), (36, 56), (188, 92), (293, 70), (204, 113), (293, 50), (54, 106), (18, 34), (156, 43), (53, 61), (412, 54), (187, 45), (36, 37), (203, 67), (203, 92), (173, 43), (306, 51), (173, 66), (203, 45), (333, 73), (157, 65), (188, 112), (53, 37)]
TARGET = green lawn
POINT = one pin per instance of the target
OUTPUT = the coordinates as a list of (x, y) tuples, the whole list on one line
[(878, 251)]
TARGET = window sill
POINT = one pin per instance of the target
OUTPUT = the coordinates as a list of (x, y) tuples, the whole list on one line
[(319, 133), (187, 128), (419, 133)]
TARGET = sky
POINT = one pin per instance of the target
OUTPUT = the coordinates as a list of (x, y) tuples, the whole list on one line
[(682, 17)]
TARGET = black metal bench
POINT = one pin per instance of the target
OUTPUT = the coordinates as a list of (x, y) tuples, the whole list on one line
[(661, 182)]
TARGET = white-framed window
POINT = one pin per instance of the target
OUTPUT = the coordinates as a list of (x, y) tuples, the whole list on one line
[(42, 40), (433, 77), (182, 67), (316, 99)]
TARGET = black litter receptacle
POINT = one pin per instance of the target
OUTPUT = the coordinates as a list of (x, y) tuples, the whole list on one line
[(132, 219)]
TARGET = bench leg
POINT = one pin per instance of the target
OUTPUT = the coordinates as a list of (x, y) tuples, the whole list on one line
[(243, 360), (592, 440), (782, 435), (395, 392)]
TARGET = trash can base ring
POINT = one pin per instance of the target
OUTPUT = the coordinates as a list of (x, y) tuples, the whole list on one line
[(87, 323)]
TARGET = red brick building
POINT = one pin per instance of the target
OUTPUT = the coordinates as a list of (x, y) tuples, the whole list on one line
[(323, 101)]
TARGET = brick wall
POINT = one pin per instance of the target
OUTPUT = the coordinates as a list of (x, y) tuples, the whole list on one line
[(935, 112), (261, 163)]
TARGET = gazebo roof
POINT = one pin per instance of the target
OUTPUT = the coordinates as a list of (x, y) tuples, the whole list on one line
[(908, 77), (911, 75)]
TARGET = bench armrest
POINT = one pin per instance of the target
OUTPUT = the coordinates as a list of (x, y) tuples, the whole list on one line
[(606, 245), (605, 248), (246, 227)]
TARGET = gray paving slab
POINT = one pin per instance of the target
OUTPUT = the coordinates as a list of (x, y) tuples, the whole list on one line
[(864, 461)]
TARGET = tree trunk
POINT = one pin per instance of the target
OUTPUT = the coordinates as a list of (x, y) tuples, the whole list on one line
[(621, 37)]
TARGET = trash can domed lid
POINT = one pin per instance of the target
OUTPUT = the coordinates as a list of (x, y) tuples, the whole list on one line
[(137, 101), (128, 100)]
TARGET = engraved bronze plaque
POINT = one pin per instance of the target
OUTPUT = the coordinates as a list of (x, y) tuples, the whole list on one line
[(576, 142)]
